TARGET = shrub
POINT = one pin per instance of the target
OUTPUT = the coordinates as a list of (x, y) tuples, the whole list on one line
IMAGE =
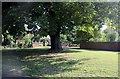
[(112, 36), (27, 42)]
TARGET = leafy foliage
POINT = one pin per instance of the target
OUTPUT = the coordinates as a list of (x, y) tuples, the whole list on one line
[(112, 36), (81, 19), (63, 37), (27, 41)]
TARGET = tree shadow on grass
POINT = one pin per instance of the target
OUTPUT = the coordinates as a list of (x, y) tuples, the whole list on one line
[(35, 51), (43, 66), (24, 51), (37, 63)]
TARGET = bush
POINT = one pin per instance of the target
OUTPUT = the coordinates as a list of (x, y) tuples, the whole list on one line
[(118, 39), (112, 36), (27, 42)]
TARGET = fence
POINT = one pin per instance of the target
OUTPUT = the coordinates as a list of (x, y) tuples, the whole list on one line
[(114, 46)]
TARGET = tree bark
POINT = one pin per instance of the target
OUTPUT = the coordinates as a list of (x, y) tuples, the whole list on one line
[(55, 42), (43, 42)]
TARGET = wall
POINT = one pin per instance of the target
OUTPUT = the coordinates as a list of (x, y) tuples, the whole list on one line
[(38, 44), (115, 46)]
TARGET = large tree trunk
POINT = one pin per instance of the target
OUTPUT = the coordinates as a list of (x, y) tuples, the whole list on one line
[(55, 42)]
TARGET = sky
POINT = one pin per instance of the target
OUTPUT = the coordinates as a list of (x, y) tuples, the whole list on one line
[(104, 27)]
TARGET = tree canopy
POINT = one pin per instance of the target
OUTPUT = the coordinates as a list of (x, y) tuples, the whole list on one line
[(81, 19)]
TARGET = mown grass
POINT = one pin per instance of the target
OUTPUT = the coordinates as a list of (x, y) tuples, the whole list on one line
[(69, 63)]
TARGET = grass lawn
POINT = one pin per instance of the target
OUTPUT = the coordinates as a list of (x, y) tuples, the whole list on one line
[(69, 63)]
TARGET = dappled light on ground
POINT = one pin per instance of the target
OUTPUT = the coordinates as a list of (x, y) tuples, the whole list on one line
[(48, 65), (69, 62)]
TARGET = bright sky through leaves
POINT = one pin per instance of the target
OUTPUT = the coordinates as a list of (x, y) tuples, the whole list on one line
[(104, 27)]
